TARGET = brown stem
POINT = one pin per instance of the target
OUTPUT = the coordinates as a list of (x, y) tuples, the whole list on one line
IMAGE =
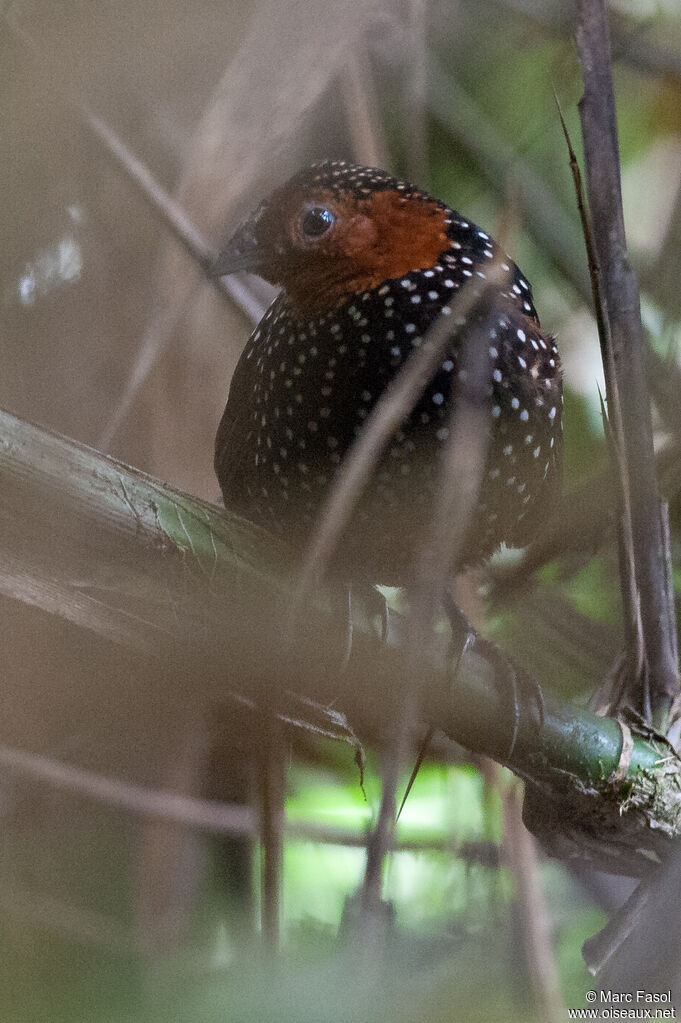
[(620, 290), (521, 850), (633, 630), (272, 776)]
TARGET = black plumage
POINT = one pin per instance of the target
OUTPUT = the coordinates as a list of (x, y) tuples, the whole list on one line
[(367, 264)]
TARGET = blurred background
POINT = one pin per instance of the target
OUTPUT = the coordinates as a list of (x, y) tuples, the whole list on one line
[(111, 335)]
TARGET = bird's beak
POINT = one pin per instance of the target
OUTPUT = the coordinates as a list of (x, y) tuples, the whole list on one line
[(242, 252)]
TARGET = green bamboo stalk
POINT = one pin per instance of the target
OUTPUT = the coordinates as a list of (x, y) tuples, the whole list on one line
[(121, 556)]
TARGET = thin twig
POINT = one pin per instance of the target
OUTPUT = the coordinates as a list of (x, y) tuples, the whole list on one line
[(360, 103), (520, 848), (380, 840), (173, 216), (620, 288), (272, 781), (171, 212), (169, 806), (461, 474), (462, 468), (462, 465), (415, 91), (219, 818), (632, 678), (394, 405)]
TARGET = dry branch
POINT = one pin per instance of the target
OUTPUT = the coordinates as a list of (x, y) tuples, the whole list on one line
[(621, 298)]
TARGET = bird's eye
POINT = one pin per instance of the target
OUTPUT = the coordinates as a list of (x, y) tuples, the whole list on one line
[(316, 221)]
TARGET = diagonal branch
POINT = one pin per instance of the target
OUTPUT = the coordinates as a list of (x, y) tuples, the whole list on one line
[(173, 215), (193, 591), (394, 405)]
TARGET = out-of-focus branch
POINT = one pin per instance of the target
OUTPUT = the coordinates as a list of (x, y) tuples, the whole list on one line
[(218, 818), (123, 558), (173, 216), (360, 103), (272, 775), (394, 405), (435, 566), (167, 207), (415, 86), (520, 851), (620, 291)]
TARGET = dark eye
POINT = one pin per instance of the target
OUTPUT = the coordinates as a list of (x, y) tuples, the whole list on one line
[(317, 220)]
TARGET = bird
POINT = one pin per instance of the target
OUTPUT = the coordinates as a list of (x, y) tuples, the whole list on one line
[(367, 263)]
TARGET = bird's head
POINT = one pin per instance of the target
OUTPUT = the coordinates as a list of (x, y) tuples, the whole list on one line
[(335, 230)]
